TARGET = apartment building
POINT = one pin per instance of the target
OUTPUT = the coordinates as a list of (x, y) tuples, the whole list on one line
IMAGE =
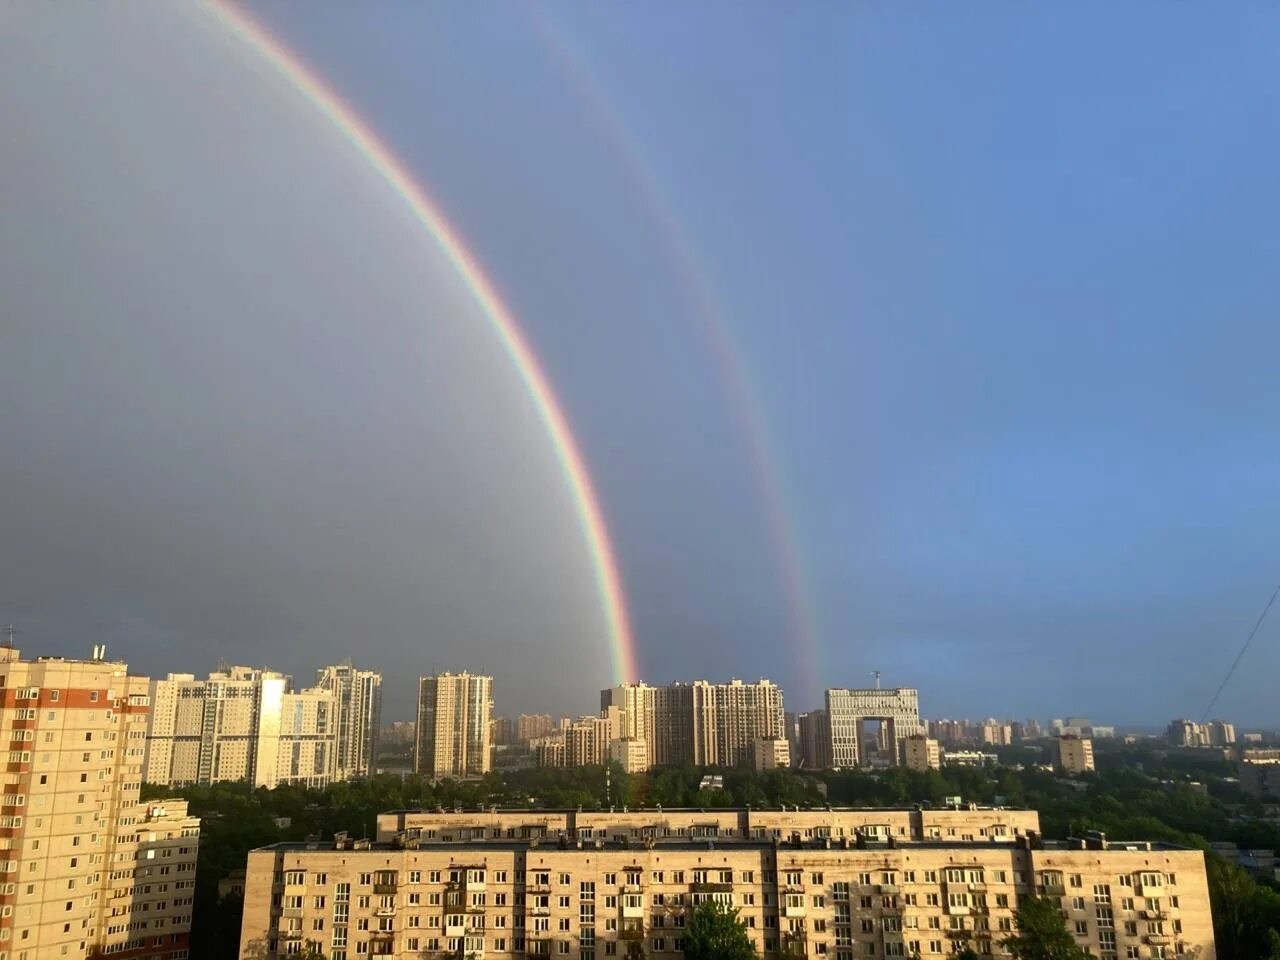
[(815, 740), (772, 754), (597, 899), (87, 867), (1075, 755), (454, 715), (702, 723), (921, 753), (531, 726), (358, 697), (897, 711), (632, 755), (242, 723)]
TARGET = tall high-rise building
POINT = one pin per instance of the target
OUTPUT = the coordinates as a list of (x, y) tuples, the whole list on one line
[(1221, 733), (531, 726), (708, 724), (896, 710), (921, 753), (454, 715), (1075, 754), (815, 740), (359, 702), (89, 851), (242, 723)]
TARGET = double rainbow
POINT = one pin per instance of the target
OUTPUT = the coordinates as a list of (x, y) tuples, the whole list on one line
[(380, 157)]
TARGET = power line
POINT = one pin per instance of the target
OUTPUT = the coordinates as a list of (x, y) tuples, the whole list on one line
[(1240, 656)]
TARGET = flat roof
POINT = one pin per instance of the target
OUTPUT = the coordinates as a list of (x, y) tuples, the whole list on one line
[(926, 808), (691, 844)]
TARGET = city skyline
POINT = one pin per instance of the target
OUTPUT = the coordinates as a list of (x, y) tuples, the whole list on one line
[(615, 345)]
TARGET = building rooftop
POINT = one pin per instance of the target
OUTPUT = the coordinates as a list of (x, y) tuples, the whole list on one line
[(825, 808), (1095, 843)]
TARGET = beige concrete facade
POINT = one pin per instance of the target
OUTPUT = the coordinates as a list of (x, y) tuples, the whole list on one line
[(896, 710), (631, 755), (358, 699), (772, 754), (531, 726), (700, 723), (86, 866), (241, 724), (1075, 755), (454, 715), (595, 899), (921, 753)]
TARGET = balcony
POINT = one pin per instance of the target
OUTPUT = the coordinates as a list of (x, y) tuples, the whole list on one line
[(1158, 939), (957, 911), (291, 912), (385, 912), (454, 925), (1155, 914), (384, 888), (290, 934), (537, 887), (631, 888), (474, 886), (383, 935), (636, 933), (711, 887), (790, 910), (632, 911), (1053, 887), (888, 888)]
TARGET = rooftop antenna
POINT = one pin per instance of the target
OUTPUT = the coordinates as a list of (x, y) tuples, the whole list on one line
[(876, 674), (9, 631)]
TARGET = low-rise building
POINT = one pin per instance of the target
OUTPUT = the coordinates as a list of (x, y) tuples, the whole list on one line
[(513, 899), (969, 758)]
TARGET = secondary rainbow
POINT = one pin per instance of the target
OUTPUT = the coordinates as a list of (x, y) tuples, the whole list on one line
[(730, 361), (380, 157)]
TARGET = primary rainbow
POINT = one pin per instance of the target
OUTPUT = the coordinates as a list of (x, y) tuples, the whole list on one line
[(389, 167)]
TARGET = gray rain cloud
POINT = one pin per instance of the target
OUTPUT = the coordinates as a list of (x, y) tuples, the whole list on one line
[(249, 411)]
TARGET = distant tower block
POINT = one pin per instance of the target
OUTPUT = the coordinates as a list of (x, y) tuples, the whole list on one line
[(896, 710)]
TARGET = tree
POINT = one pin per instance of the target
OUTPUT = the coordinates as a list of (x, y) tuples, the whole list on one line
[(1042, 933), (716, 933)]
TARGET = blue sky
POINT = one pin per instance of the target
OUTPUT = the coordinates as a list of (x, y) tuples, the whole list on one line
[(1002, 278)]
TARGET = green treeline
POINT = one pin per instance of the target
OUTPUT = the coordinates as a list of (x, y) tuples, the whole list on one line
[(1135, 795)]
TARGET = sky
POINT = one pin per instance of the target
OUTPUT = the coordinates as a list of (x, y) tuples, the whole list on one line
[(931, 340)]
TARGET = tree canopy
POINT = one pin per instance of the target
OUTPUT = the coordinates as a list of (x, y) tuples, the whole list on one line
[(1042, 933), (715, 933)]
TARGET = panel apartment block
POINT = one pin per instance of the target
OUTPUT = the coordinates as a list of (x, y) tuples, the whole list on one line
[(242, 723), (820, 898), (86, 866)]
